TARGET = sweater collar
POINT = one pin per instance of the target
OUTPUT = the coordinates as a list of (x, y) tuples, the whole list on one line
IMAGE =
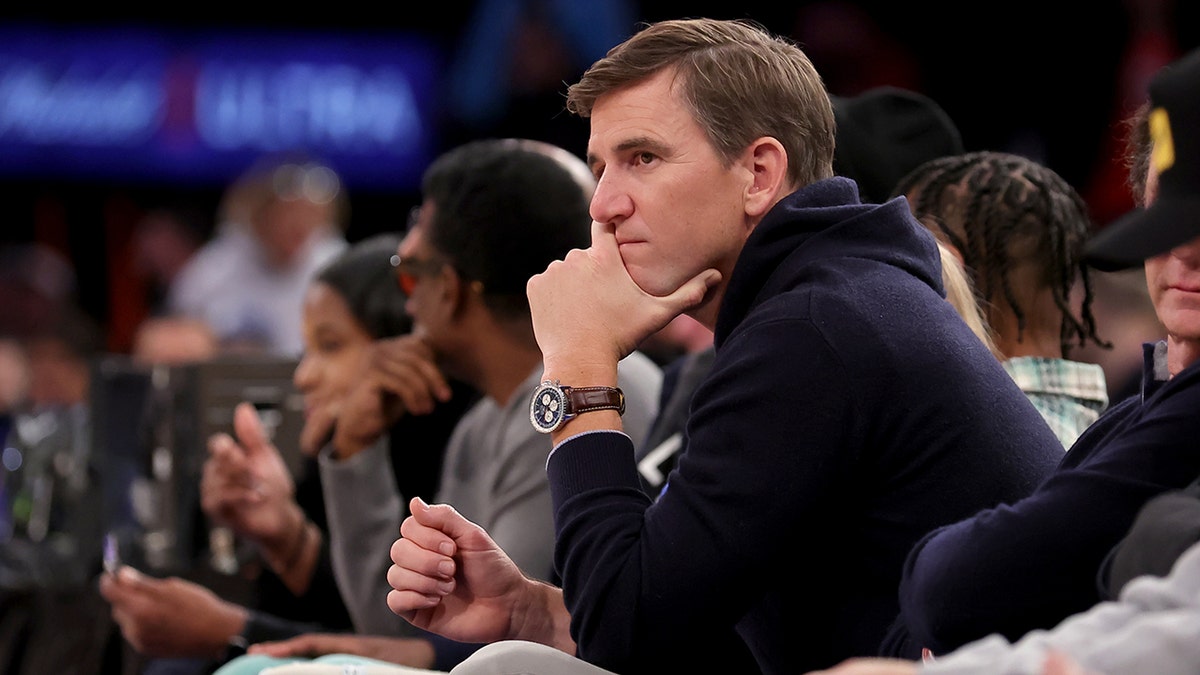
[(812, 228)]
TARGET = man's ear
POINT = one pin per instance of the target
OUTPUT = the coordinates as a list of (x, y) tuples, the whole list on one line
[(457, 291), (767, 163)]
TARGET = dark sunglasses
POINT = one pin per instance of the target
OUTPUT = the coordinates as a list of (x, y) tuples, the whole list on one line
[(409, 270)]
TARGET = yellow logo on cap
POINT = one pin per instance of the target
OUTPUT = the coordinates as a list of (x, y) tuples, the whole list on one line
[(1163, 154)]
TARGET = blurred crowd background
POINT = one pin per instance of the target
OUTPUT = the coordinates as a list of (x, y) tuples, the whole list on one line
[(1047, 79)]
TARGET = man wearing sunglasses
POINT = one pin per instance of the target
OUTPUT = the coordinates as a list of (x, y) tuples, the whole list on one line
[(494, 213)]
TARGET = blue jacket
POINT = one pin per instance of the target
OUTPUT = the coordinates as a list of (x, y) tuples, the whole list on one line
[(848, 411), (1013, 569)]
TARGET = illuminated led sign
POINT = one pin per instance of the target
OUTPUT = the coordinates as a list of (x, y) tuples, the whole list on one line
[(146, 105)]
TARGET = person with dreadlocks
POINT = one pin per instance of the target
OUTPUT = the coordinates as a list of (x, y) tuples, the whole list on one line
[(1029, 565), (1150, 620), (1019, 230)]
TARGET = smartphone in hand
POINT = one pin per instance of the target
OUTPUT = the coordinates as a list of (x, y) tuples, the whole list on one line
[(112, 554)]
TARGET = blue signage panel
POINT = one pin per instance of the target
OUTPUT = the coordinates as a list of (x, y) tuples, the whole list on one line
[(140, 104)]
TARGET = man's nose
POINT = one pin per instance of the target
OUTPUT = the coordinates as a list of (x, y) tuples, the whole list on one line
[(609, 202)]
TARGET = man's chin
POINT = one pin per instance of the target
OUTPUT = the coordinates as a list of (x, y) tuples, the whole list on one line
[(651, 286), (650, 279)]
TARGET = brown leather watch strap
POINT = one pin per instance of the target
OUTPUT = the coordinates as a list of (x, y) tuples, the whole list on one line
[(588, 399)]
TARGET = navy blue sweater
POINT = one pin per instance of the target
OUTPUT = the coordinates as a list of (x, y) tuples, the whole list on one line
[(849, 410), (1030, 565)]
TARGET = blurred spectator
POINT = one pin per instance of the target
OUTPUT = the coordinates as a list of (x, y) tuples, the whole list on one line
[(60, 355), (50, 502), (164, 240), (35, 282), (278, 224), (53, 493)]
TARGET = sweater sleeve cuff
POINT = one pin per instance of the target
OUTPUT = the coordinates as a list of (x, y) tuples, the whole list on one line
[(593, 459)]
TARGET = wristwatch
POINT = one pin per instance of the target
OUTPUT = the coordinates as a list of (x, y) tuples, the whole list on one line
[(554, 404)]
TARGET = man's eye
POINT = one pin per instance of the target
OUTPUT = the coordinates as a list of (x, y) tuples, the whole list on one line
[(646, 157)]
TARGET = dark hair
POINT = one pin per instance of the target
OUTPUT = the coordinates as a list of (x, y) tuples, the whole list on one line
[(363, 275), (741, 83), (886, 132), (999, 209), (503, 212)]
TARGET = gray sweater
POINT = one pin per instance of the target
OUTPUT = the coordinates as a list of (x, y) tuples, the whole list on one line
[(493, 473)]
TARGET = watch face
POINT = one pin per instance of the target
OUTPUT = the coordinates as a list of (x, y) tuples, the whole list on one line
[(547, 408)]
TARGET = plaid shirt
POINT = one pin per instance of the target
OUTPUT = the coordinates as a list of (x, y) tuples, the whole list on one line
[(1070, 395)]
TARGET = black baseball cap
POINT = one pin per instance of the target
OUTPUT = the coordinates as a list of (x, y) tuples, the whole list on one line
[(1174, 216)]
